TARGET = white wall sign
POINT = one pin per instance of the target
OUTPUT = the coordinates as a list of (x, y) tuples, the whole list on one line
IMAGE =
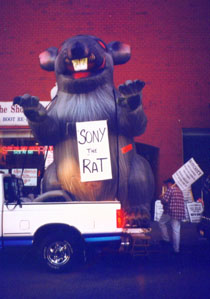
[(12, 115), (29, 175), (185, 176), (94, 152), (49, 158)]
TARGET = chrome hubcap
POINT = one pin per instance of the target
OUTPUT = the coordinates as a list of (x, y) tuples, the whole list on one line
[(59, 252)]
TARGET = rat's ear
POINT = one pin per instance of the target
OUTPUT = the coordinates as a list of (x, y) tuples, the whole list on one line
[(47, 59), (120, 52)]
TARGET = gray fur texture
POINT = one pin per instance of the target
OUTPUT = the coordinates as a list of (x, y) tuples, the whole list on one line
[(89, 95)]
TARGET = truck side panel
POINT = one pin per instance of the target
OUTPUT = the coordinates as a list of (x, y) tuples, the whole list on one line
[(95, 220)]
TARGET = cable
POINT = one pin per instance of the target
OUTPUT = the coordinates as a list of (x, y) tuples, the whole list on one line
[(117, 140)]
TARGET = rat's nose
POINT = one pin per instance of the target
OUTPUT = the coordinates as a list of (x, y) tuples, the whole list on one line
[(78, 51)]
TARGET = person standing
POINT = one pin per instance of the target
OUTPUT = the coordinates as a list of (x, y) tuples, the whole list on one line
[(173, 212)]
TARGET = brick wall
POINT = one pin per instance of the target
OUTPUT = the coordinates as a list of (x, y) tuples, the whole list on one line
[(170, 52)]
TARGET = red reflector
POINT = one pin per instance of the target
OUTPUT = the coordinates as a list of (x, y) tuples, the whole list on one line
[(120, 218), (126, 148)]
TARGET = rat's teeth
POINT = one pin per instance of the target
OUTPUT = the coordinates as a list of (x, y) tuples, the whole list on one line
[(80, 64)]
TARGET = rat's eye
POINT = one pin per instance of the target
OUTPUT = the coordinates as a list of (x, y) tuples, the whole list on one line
[(92, 57), (102, 44), (67, 60)]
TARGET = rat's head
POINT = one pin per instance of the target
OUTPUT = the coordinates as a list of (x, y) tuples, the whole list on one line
[(84, 62)]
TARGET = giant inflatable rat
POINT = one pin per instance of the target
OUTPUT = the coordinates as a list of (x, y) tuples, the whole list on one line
[(83, 66)]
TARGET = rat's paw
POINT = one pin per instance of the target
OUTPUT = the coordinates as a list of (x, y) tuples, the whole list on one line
[(130, 94), (27, 102)]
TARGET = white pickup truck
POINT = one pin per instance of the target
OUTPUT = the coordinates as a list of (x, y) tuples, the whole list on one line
[(58, 227)]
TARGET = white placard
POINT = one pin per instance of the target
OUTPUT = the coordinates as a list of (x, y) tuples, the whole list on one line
[(158, 210), (12, 115), (195, 210), (94, 152), (188, 198), (29, 175), (4, 170), (186, 175)]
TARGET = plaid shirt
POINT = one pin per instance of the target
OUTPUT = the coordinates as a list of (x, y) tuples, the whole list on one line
[(173, 203)]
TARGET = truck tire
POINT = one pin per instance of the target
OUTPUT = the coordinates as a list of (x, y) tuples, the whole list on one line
[(59, 252)]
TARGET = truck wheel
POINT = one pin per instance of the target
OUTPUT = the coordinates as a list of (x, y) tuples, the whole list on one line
[(59, 252)]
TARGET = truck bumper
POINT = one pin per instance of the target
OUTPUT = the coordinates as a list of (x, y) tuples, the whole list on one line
[(132, 235)]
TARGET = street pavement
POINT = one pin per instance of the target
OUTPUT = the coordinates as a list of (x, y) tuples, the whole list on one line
[(160, 275), (191, 242), (192, 245), (189, 234)]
